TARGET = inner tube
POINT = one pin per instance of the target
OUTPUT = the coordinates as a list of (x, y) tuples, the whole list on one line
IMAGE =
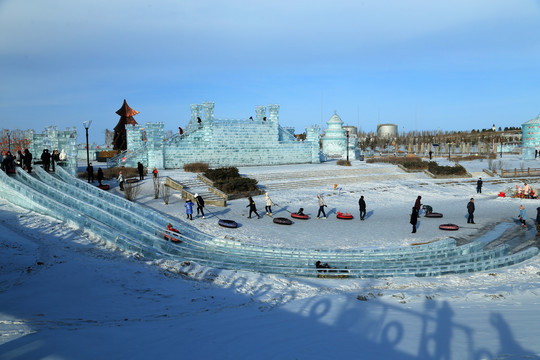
[(104, 186), (344, 216), (301, 217), (449, 227), (132, 180), (228, 223), (282, 221), (434, 215)]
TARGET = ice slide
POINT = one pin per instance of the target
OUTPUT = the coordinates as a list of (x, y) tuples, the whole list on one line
[(139, 229)]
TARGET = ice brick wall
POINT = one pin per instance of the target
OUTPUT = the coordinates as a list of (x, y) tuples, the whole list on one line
[(222, 142)]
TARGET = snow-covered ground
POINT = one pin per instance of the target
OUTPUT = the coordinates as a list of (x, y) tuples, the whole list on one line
[(66, 295)]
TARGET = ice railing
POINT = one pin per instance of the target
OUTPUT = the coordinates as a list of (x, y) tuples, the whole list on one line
[(296, 261), (125, 156)]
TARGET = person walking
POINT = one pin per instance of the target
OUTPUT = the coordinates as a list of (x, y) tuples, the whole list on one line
[(322, 204), (120, 180), (55, 157), (90, 171), (479, 186), (470, 210), (155, 172), (140, 167), (268, 206), (99, 176), (414, 219), (362, 205), (189, 209), (523, 216), (28, 160), (200, 204), (46, 158), (252, 208), (418, 204), (538, 221)]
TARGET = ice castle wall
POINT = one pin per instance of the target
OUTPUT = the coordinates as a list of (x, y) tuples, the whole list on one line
[(222, 142)]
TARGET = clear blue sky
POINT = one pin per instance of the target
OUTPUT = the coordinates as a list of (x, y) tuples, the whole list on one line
[(449, 65)]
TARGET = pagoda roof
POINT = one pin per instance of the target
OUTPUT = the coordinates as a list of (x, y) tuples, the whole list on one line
[(126, 111)]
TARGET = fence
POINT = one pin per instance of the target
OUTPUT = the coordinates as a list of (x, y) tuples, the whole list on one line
[(520, 173)]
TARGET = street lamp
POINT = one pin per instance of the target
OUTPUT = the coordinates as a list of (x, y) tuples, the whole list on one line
[(86, 125), (347, 145)]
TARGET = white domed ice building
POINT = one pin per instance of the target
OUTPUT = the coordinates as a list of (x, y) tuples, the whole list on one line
[(334, 141)]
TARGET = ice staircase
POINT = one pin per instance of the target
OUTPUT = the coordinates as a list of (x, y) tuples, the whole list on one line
[(303, 179), (139, 229)]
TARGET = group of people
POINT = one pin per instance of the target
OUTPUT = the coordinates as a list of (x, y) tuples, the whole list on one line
[(526, 192), (189, 207), (10, 161)]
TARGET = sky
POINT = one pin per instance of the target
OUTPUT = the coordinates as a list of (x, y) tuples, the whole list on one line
[(447, 65)]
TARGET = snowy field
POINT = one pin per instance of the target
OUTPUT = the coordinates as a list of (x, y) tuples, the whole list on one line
[(66, 295)]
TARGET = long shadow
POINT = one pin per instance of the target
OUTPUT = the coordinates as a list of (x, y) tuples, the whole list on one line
[(136, 318), (369, 214)]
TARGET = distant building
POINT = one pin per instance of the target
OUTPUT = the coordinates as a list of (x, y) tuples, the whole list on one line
[(530, 136), (387, 130)]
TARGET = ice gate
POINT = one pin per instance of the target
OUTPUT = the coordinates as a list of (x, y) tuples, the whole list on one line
[(220, 142)]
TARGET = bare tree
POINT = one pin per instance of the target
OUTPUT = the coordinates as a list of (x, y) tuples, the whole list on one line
[(132, 191), (165, 193), (156, 187)]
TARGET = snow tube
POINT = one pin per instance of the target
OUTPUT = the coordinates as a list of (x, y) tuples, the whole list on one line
[(301, 217), (344, 216), (502, 194), (450, 227), (132, 180), (104, 186), (168, 237), (434, 215), (228, 223), (282, 221)]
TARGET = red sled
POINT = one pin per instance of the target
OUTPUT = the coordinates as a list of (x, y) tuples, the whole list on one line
[(104, 186), (298, 216), (501, 194), (344, 216)]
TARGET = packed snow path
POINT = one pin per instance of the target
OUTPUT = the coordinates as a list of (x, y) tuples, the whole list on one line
[(143, 231)]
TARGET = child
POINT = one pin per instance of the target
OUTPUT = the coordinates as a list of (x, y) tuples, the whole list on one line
[(252, 208), (189, 209), (301, 212), (522, 216)]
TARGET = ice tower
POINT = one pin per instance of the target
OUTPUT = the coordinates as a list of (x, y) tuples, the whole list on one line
[(334, 141)]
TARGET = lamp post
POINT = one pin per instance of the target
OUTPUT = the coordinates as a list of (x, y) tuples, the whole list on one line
[(86, 125), (347, 145)]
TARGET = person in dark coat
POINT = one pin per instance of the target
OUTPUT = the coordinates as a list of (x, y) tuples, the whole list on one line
[(362, 205), (90, 171), (418, 204), (538, 221), (470, 210), (28, 160), (140, 167), (414, 218), (8, 162), (200, 204), (99, 176), (55, 157), (252, 208), (479, 184), (46, 158)]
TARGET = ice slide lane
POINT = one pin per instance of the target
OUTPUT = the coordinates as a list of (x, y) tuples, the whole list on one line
[(223, 254)]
